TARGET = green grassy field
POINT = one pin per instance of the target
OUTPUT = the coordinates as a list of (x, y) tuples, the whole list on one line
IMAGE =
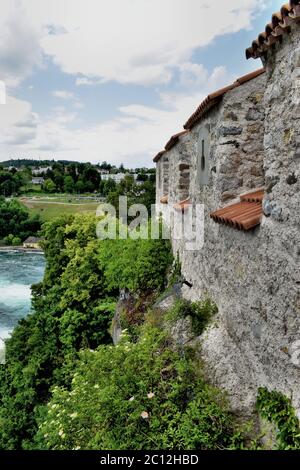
[(53, 207)]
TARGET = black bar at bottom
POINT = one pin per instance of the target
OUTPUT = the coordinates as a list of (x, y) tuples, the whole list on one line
[(137, 459)]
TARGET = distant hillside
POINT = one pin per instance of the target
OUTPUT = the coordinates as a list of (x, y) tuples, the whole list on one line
[(27, 162)]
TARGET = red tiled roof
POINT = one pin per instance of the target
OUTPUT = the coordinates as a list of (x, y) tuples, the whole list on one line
[(214, 98), (280, 24), (159, 155), (164, 200), (182, 205), (170, 144), (243, 215), (256, 196), (174, 139)]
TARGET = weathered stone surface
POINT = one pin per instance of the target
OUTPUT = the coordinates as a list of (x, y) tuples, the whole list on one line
[(254, 114), (116, 329), (291, 179), (226, 196), (183, 166), (232, 130), (253, 277)]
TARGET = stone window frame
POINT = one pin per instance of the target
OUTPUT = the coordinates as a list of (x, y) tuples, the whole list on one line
[(203, 151)]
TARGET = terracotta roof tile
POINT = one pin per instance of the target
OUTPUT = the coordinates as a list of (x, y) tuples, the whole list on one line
[(164, 200), (243, 215), (174, 139), (281, 22), (159, 155), (214, 98), (170, 144), (182, 205), (256, 196)]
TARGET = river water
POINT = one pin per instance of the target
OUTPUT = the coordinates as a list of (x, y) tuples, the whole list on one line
[(18, 271)]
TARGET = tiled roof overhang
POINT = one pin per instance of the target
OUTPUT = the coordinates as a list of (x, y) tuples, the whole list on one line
[(170, 144), (182, 206), (280, 24), (174, 139), (244, 215), (214, 98), (158, 156)]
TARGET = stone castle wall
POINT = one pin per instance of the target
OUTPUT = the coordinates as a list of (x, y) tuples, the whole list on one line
[(254, 277)]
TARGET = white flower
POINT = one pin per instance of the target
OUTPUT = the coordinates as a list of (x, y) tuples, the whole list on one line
[(74, 415), (145, 415), (131, 399), (76, 448), (96, 386), (150, 395), (45, 436), (61, 433)]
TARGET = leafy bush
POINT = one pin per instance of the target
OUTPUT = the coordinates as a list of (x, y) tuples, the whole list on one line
[(136, 265), (72, 310), (136, 396), (277, 409), (12, 240), (199, 312), (15, 220)]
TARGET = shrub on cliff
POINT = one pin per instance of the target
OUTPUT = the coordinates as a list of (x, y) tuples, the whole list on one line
[(277, 409), (199, 313), (141, 395)]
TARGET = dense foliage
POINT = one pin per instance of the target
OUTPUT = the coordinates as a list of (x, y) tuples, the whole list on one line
[(74, 177), (278, 409), (72, 310), (15, 221), (10, 182), (142, 193), (141, 395)]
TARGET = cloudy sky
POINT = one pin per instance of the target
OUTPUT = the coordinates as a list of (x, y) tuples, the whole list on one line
[(95, 80)]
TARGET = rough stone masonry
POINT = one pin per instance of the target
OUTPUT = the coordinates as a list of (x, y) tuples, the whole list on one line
[(248, 138)]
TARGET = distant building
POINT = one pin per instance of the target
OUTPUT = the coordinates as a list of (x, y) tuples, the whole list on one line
[(41, 170), (117, 177), (32, 242), (38, 180)]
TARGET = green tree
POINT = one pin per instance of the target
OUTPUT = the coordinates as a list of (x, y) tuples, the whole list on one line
[(15, 220), (68, 184), (49, 186)]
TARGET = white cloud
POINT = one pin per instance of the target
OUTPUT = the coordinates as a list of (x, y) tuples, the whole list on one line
[(63, 94), (20, 47), (130, 41), (18, 124), (132, 138), (68, 96), (87, 81)]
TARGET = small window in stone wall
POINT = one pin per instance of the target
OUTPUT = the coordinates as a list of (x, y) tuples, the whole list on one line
[(165, 174), (158, 169), (203, 156)]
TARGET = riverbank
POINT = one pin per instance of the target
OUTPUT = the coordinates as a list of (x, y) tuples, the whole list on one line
[(20, 249)]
